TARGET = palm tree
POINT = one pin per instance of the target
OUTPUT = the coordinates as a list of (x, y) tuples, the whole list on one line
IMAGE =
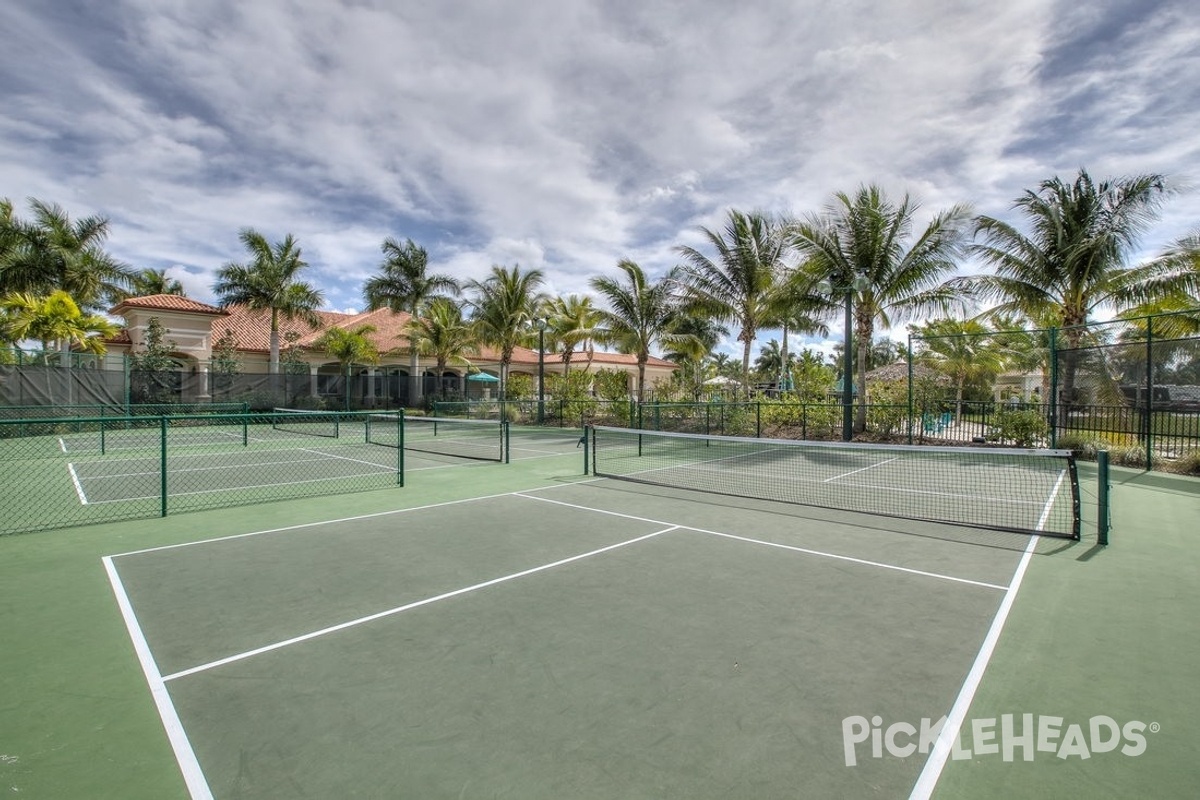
[(443, 334), (573, 323), (639, 317), (405, 285), (1072, 260), (54, 319), (270, 281), (771, 361), (861, 245), (349, 347), (53, 252), (697, 336), (961, 350), (738, 286), (505, 304), (154, 281)]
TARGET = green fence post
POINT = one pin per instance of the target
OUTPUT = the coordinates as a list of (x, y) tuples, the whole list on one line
[(1103, 517), (1149, 424), (400, 448), (758, 419), (162, 467), (910, 390), (1053, 398)]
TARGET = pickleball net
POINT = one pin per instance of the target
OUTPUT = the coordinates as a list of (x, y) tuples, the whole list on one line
[(989, 487), (325, 424), (481, 439)]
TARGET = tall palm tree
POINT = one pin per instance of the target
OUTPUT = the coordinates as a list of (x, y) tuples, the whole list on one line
[(404, 284), (862, 244), (504, 305), (53, 252), (270, 282), (573, 324), (54, 319), (444, 334), (639, 316), (736, 287), (1072, 260)]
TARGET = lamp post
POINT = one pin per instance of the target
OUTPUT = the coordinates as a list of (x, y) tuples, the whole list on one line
[(540, 324), (847, 287)]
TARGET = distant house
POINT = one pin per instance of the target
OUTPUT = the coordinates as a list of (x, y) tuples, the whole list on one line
[(195, 328)]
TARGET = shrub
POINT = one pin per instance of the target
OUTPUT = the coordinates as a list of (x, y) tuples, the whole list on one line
[(1024, 428)]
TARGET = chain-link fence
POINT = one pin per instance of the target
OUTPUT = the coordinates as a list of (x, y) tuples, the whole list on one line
[(67, 471)]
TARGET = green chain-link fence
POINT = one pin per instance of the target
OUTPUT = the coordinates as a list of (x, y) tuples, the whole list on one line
[(71, 471)]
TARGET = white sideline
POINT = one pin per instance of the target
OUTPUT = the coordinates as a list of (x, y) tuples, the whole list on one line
[(193, 775), (932, 770)]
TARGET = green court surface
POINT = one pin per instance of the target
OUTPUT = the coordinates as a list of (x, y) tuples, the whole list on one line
[(525, 631)]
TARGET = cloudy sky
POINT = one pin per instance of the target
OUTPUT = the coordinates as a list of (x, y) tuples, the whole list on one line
[(564, 135)]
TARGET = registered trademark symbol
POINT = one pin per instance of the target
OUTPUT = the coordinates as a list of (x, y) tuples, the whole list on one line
[(1155, 727)]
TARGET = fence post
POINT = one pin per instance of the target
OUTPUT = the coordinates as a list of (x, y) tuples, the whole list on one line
[(1148, 425), (758, 419), (162, 467), (1053, 398), (910, 389)]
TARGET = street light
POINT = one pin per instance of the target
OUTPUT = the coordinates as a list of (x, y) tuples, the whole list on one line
[(540, 324), (834, 287)]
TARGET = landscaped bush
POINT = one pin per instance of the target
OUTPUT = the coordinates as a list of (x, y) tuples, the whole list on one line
[(1024, 428)]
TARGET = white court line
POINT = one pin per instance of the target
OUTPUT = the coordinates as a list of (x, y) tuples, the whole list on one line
[(78, 486), (932, 770), (193, 775), (860, 469), (399, 609), (62, 445), (806, 551)]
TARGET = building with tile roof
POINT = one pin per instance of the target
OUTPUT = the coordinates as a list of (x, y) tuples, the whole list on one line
[(194, 330)]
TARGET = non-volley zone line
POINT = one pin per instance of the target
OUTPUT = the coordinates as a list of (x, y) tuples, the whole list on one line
[(409, 606)]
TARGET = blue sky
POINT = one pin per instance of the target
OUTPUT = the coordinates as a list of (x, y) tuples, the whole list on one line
[(564, 136)]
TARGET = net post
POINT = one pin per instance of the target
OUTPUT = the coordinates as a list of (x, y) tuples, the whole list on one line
[(504, 444), (587, 446), (1103, 509), (162, 466), (245, 426), (400, 448), (103, 425)]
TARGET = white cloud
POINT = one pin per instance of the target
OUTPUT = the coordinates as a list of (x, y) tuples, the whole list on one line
[(564, 136)]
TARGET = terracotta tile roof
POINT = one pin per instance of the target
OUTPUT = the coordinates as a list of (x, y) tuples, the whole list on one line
[(167, 302), (252, 330)]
